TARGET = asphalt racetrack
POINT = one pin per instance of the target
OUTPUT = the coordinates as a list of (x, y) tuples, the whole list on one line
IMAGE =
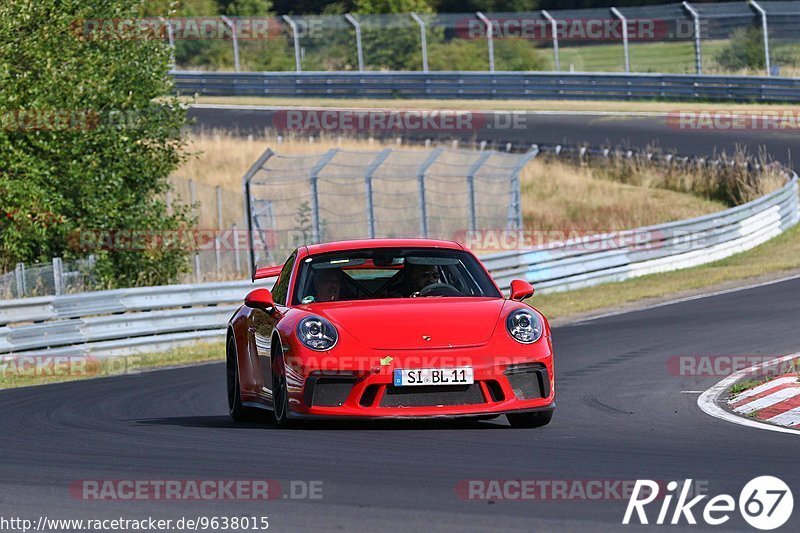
[(621, 415), (628, 131)]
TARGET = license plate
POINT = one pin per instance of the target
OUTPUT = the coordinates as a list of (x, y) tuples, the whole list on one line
[(433, 376)]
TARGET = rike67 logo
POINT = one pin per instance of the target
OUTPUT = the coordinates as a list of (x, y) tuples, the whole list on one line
[(765, 503)]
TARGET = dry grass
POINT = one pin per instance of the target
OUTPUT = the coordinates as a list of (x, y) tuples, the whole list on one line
[(559, 196), (555, 194)]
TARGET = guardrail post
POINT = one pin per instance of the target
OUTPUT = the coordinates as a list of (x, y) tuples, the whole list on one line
[(296, 38), (248, 206), (698, 54), (489, 38), (228, 22), (423, 206), (515, 209), (624, 21), (763, 14), (312, 182), (352, 20), (19, 274), (554, 30), (423, 38), (379, 159), (473, 214), (58, 286)]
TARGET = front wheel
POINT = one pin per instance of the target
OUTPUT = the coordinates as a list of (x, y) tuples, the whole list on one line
[(238, 412), (530, 420), (280, 392)]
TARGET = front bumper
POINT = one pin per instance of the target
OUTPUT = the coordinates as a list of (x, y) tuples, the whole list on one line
[(363, 388)]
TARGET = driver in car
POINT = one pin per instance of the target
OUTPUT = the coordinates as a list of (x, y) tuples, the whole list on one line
[(417, 277), (327, 285)]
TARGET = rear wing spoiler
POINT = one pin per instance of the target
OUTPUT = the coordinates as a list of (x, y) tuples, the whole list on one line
[(267, 272)]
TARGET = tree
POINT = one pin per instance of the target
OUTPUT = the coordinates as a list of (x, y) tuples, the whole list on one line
[(88, 138)]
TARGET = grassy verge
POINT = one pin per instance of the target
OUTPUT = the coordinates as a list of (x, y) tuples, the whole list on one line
[(487, 105), (779, 256), (37, 370)]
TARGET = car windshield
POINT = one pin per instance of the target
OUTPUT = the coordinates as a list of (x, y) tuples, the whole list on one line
[(391, 273)]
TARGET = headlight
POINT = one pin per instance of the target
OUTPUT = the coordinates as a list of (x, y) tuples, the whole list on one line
[(524, 326), (317, 333)]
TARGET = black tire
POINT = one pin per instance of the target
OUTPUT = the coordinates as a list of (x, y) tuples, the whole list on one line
[(530, 420), (280, 392), (238, 412)]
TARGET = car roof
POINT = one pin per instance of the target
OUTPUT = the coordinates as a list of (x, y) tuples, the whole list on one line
[(367, 244)]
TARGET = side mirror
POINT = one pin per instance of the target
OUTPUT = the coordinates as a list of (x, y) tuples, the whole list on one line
[(521, 289), (260, 299)]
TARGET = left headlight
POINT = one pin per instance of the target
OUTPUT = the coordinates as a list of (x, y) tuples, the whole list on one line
[(524, 326), (317, 333)]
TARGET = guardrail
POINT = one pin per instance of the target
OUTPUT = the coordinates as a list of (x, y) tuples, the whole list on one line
[(119, 322), (648, 250), (490, 85)]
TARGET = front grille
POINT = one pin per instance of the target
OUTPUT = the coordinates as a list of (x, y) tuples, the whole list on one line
[(431, 395), (328, 391), (529, 381)]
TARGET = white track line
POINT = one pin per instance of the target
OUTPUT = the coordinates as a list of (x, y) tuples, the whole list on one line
[(707, 402)]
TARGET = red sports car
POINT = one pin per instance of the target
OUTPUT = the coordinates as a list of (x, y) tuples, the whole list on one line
[(388, 328)]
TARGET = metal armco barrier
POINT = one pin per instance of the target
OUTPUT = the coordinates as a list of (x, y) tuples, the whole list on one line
[(490, 85), (118, 322)]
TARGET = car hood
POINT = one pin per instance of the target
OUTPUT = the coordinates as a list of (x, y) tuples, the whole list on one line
[(418, 323)]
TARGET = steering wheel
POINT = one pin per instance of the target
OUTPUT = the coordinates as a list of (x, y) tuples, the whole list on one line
[(438, 289)]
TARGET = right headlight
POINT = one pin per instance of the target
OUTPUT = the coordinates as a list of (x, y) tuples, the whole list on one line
[(524, 326), (317, 333)]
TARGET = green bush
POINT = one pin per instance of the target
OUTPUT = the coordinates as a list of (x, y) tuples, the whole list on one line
[(745, 50), (105, 166)]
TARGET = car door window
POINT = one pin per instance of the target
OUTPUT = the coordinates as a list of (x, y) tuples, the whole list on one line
[(281, 288)]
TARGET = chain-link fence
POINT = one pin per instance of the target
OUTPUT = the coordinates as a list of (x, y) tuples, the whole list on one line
[(42, 279), (218, 249), (341, 194), (725, 37)]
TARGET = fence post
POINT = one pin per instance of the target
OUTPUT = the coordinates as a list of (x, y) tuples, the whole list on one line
[(763, 14), (473, 215), (423, 38), (624, 21), (171, 39), (351, 19), (228, 22), (489, 39), (698, 57), (236, 259), (248, 206), (380, 158), (19, 273), (554, 30), (515, 209), (423, 207), (296, 38), (316, 227), (58, 286)]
